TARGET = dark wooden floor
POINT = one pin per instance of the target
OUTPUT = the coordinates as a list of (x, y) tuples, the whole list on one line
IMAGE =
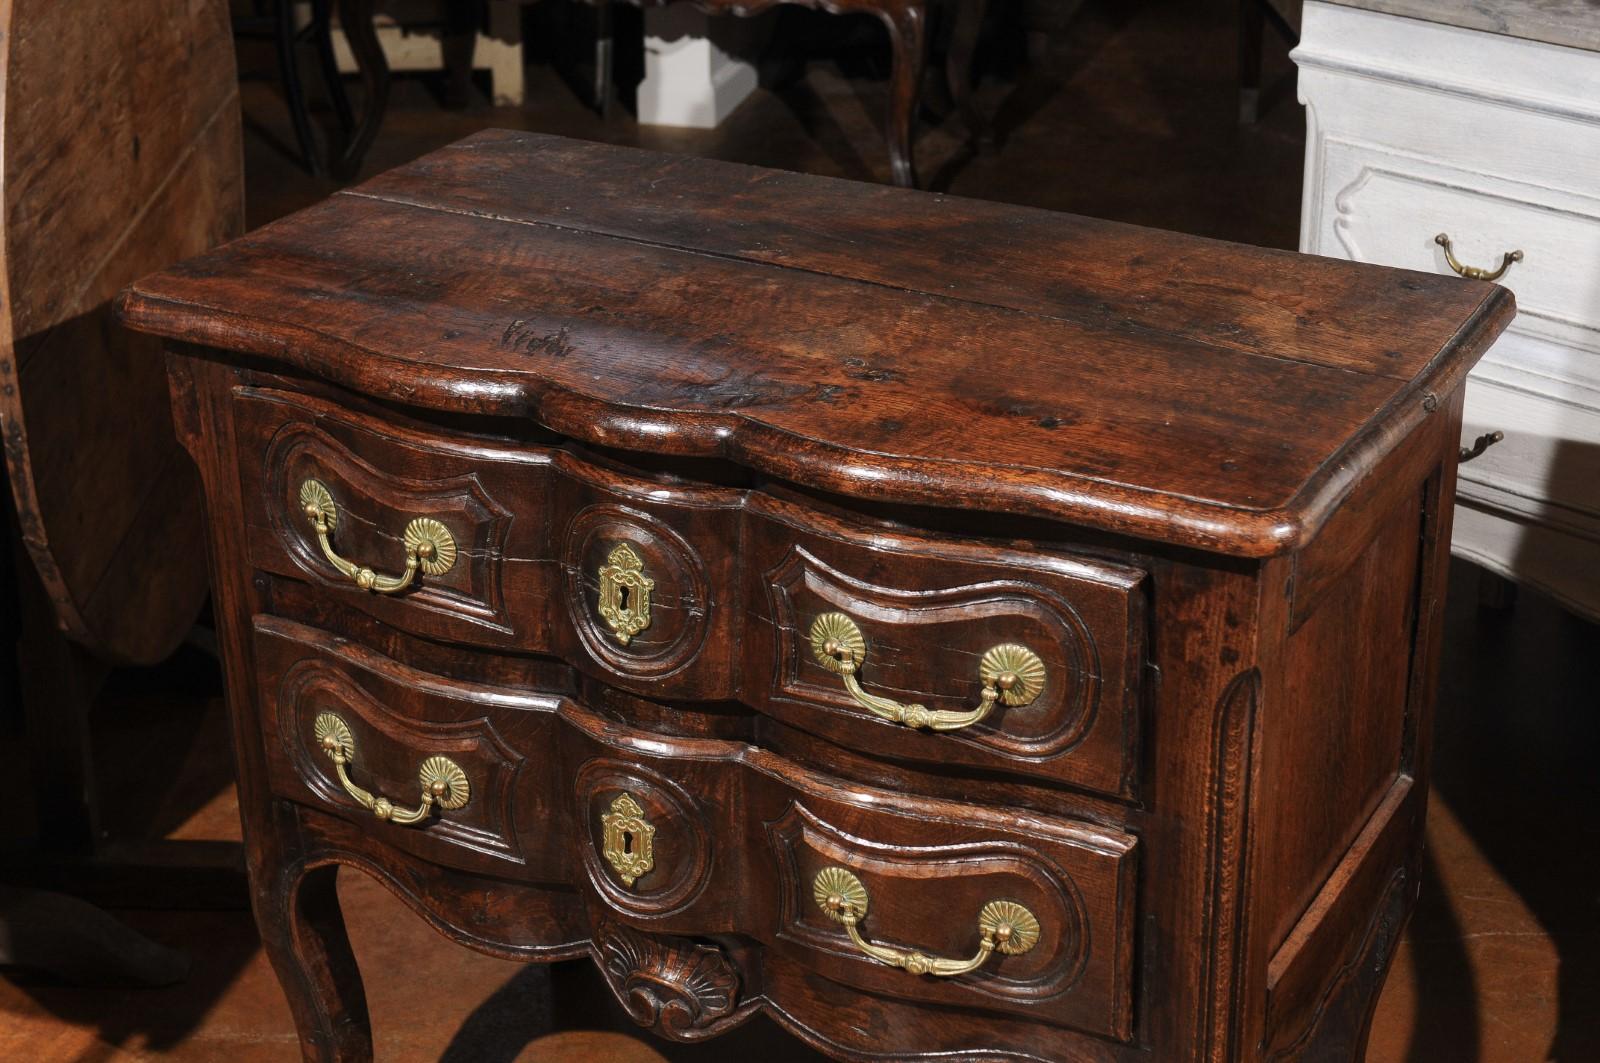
[(1132, 117)]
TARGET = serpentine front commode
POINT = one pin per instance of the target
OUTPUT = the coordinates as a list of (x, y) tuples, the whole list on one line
[(828, 601)]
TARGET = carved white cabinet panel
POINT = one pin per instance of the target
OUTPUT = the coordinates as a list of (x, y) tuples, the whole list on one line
[(1418, 128)]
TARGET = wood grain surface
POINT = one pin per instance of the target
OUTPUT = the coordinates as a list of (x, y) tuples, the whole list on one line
[(1169, 387), (1215, 805), (120, 155)]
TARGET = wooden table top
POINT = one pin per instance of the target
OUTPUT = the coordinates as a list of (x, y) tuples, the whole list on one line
[(876, 342)]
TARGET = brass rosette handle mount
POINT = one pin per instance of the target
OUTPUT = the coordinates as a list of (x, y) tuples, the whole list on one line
[(429, 544), (443, 782), (1011, 673), (1003, 926)]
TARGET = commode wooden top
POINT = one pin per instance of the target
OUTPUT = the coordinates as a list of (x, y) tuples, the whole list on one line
[(873, 342)]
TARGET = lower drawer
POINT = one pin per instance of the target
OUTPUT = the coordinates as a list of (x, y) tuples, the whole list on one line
[(893, 895)]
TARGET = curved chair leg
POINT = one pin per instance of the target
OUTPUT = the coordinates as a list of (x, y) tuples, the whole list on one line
[(355, 16), (294, 92), (322, 36), (908, 45), (302, 930), (958, 71)]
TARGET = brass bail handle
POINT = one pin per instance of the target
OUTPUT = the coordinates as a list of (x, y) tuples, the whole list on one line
[(443, 782), (1481, 444), (429, 544), (1003, 926), (1475, 273), (1011, 674)]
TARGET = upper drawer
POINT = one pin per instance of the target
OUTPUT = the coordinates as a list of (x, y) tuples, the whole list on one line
[(947, 652), (545, 552), (1386, 207), (1023, 661), (381, 489)]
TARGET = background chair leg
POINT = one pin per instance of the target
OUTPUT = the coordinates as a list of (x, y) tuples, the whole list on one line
[(459, 44), (355, 18), (322, 36), (908, 45), (294, 93)]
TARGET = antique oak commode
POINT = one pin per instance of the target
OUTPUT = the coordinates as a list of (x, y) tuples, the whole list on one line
[(950, 628)]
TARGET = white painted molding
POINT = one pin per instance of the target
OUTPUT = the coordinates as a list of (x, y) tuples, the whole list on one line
[(1415, 128)]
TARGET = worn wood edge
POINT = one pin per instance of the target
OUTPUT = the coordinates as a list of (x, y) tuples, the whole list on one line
[(72, 616), (843, 526), (1397, 481), (1427, 395), (1071, 498)]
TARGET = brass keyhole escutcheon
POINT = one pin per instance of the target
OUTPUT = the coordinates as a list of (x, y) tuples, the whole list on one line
[(628, 839), (625, 593)]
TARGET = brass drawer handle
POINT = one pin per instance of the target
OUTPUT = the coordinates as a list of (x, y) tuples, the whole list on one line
[(1479, 445), (1011, 673), (1473, 273), (429, 544), (443, 782), (1003, 925)]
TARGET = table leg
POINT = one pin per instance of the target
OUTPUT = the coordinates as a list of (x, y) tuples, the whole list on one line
[(356, 16), (908, 45), (302, 931)]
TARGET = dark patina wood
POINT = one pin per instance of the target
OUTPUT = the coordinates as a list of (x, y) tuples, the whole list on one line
[(1209, 486)]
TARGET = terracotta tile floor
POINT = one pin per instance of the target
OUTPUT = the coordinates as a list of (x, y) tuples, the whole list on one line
[(1132, 118)]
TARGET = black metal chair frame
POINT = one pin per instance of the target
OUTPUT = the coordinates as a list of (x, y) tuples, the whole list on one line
[(275, 20)]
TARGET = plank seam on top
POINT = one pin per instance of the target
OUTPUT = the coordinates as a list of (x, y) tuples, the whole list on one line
[(757, 262)]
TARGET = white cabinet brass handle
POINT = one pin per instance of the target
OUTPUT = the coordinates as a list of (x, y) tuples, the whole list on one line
[(443, 782), (429, 544), (1474, 273), (1481, 444), (1005, 926), (1011, 673)]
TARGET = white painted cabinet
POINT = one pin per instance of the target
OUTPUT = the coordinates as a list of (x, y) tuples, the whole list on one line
[(1417, 128)]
